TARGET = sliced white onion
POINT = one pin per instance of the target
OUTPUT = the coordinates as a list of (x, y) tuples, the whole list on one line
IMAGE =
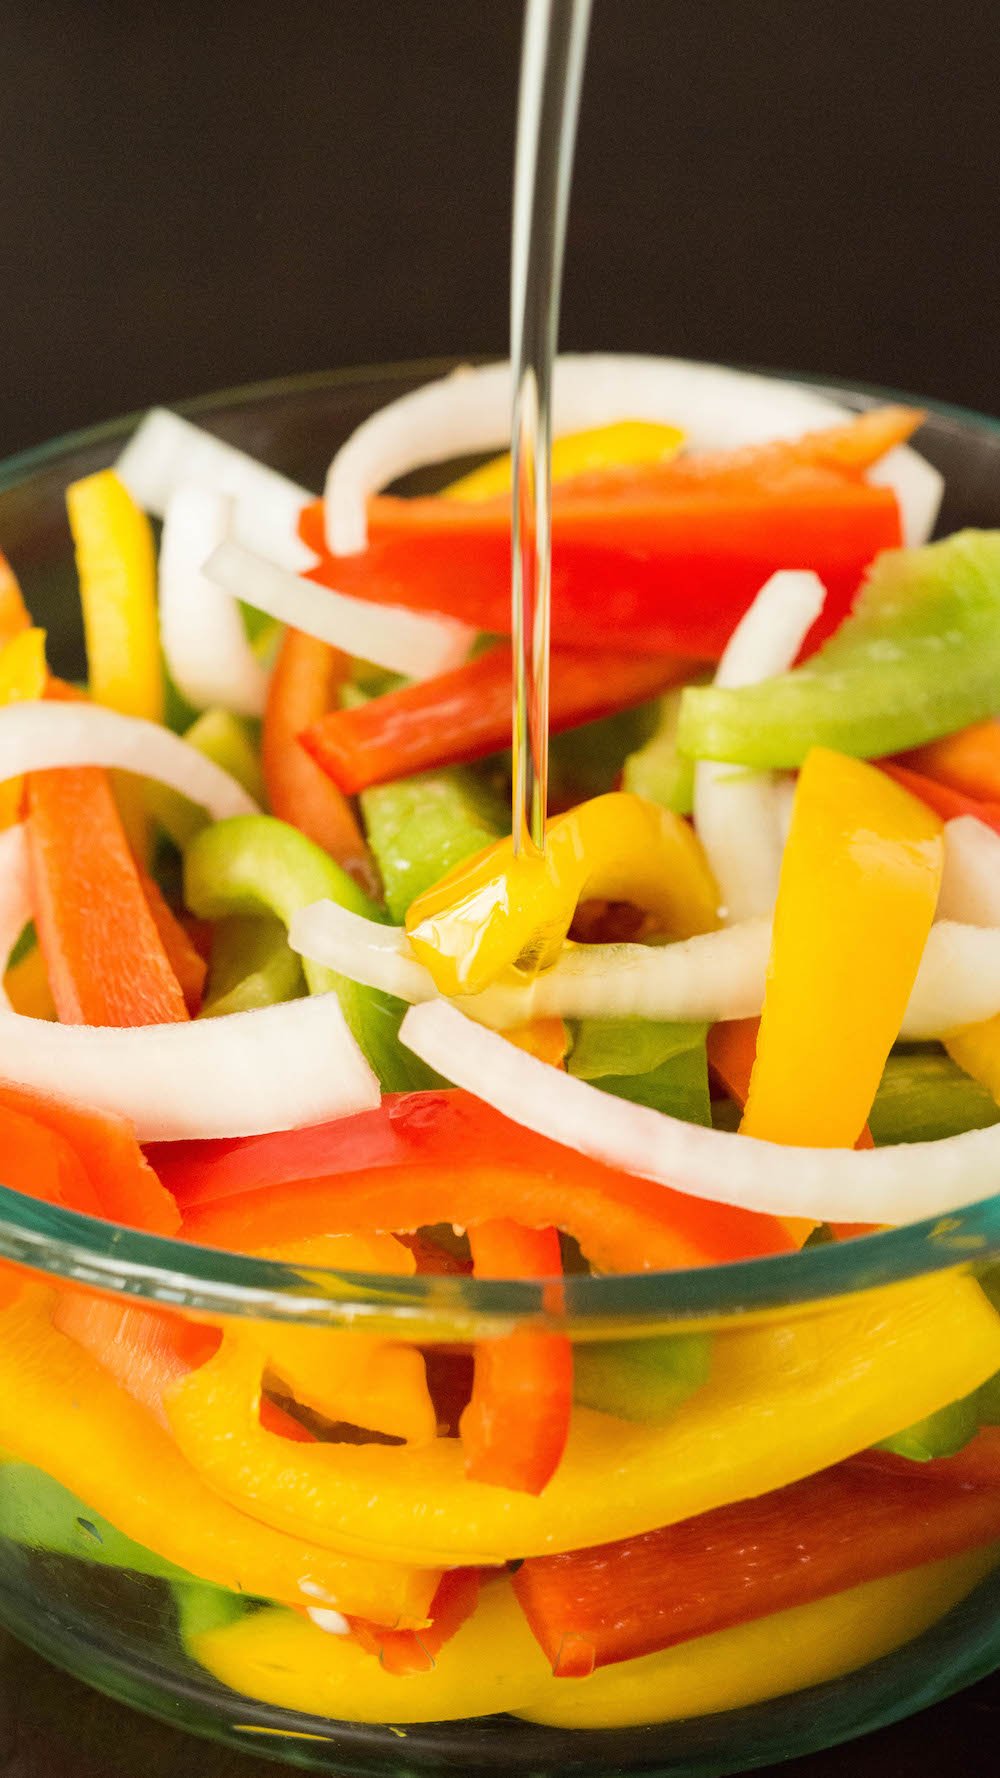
[(166, 451), (201, 627), (35, 737), (243, 1074), (970, 882), (884, 1185), (416, 643), (715, 976), (738, 814), (15, 898), (717, 408)]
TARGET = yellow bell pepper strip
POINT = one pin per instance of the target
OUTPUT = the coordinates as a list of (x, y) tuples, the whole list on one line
[(885, 682), (976, 1049), (116, 564), (23, 674), (14, 614), (493, 1664), (622, 444), (42, 1515), (783, 1400), (498, 909), (548, 1039), (60, 1411), (256, 864), (858, 887), (26, 985)]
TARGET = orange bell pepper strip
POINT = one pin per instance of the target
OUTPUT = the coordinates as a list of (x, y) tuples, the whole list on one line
[(853, 1523), (124, 1187), (405, 1652), (40, 1163), (465, 714), (104, 957), (186, 961), (629, 545), (60, 1411), (945, 799), (968, 761), (301, 692), (433, 1157), (515, 1427), (856, 897)]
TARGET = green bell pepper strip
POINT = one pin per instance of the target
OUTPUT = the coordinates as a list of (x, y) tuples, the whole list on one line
[(256, 864), (202, 1608), (923, 1097), (658, 770), (419, 828), (940, 1435), (230, 743), (252, 965), (918, 658), (588, 761), (41, 1514), (650, 1063), (645, 1380)]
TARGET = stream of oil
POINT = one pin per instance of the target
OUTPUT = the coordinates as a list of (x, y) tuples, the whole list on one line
[(552, 58)]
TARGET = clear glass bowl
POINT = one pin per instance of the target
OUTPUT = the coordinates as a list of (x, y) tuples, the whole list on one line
[(112, 1566)]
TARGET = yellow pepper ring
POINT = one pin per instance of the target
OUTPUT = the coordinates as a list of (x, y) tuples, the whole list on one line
[(622, 443), (784, 1399), (496, 909), (494, 1664)]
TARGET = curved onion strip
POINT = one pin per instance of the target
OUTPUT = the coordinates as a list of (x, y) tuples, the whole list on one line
[(411, 642), (201, 628), (887, 1185), (718, 409), (243, 1074), (35, 737), (166, 451), (15, 898), (737, 814), (716, 976), (970, 883)]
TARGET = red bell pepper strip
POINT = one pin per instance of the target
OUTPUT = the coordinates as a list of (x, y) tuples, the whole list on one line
[(106, 963), (515, 1427), (303, 689), (465, 714), (405, 1652), (433, 1157), (968, 761), (942, 798), (124, 1187), (183, 956), (837, 1529)]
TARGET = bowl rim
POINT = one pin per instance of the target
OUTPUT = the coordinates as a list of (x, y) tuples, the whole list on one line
[(176, 1274)]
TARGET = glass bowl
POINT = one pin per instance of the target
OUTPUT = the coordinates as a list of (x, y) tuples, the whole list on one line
[(151, 1567)]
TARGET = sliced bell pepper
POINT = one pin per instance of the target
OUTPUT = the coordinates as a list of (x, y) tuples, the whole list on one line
[(252, 965), (783, 1400), (923, 1097), (501, 908), (105, 960), (592, 1608), (14, 614), (405, 1652), (142, 1348), (859, 882), (548, 1039), (26, 985), (884, 682), (302, 689), (184, 958), (938, 1435), (658, 770), (116, 565), (43, 1515), (226, 739), (944, 799), (976, 1050), (494, 1664), (123, 1185), (255, 864), (968, 761), (629, 546), (23, 674), (976, 1465), (515, 1427), (40, 1163), (421, 828), (443, 1157), (623, 444), (644, 1380), (648, 1062), (465, 714), (60, 1411)]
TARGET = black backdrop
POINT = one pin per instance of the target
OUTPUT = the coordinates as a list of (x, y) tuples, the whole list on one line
[(194, 196)]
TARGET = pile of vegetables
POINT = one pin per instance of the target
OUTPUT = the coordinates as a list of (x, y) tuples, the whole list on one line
[(276, 983)]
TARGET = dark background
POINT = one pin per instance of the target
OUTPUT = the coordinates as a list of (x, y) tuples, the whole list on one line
[(192, 197)]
